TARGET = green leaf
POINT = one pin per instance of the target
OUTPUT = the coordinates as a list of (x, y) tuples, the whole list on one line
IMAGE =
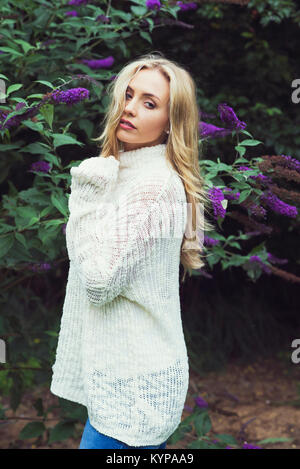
[(273, 440), (60, 203), (241, 150), (146, 36), (13, 88), (138, 11), (11, 51), (6, 243), (61, 139), (250, 143), (202, 424), (21, 238), (47, 111), (25, 45), (61, 431), (32, 430), (224, 438), (244, 195), (47, 83)]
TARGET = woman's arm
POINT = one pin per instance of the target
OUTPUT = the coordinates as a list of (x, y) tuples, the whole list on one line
[(108, 241)]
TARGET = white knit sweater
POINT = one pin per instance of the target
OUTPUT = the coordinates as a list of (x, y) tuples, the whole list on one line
[(121, 350)]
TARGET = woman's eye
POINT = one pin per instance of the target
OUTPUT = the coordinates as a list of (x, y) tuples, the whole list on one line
[(148, 102)]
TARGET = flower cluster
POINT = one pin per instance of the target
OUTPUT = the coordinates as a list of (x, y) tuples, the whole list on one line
[(216, 196), (275, 260), (229, 195), (289, 162), (200, 402), (40, 166), (210, 130), (256, 261), (210, 241), (153, 4), (103, 19), (77, 2), (39, 267), (278, 205), (100, 63), (187, 6), (71, 13), (228, 116), (72, 96), (14, 121)]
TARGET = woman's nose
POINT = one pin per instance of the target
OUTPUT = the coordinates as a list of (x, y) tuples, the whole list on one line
[(130, 105)]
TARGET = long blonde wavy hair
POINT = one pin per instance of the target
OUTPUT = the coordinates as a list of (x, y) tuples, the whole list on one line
[(181, 143)]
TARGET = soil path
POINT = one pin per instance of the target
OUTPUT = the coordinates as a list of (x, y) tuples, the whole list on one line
[(253, 399)]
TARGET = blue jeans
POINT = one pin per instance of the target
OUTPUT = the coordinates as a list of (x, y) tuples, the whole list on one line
[(92, 439)]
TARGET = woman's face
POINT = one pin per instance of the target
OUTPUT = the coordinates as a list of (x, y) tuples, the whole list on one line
[(149, 114)]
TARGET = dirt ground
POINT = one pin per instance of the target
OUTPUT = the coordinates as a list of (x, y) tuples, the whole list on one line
[(255, 399)]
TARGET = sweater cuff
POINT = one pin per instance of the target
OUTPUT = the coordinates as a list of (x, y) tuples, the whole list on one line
[(91, 179), (96, 170)]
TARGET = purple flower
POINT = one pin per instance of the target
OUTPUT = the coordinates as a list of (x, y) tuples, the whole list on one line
[(275, 260), (71, 96), (244, 168), (249, 446), (101, 63), (19, 106), (210, 241), (103, 18), (278, 205), (229, 195), (14, 121), (216, 196), (153, 4), (188, 408), (46, 43), (39, 267), (228, 447), (290, 162), (257, 210), (201, 402), (77, 2), (253, 233), (40, 166), (187, 6), (262, 177), (210, 130), (71, 13), (228, 116), (256, 261)]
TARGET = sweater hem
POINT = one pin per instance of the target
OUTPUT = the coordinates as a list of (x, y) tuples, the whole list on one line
[(127, 440), (69, 396)]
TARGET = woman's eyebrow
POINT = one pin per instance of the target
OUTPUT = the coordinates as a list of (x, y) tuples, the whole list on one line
[(144, 94)]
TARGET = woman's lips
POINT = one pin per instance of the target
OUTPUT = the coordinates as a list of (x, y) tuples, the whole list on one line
[(126, 126)]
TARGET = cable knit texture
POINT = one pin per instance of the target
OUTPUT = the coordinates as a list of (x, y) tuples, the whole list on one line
[(121, 350)]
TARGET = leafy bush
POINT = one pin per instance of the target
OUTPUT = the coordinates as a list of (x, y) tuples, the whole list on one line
[(56, 62)]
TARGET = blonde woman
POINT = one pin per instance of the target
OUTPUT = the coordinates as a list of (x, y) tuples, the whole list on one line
[(121, 350)]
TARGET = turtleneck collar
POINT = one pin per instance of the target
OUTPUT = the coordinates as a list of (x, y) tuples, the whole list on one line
[(137, 158)]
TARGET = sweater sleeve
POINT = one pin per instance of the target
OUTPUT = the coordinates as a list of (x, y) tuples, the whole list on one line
[(107, 240)]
